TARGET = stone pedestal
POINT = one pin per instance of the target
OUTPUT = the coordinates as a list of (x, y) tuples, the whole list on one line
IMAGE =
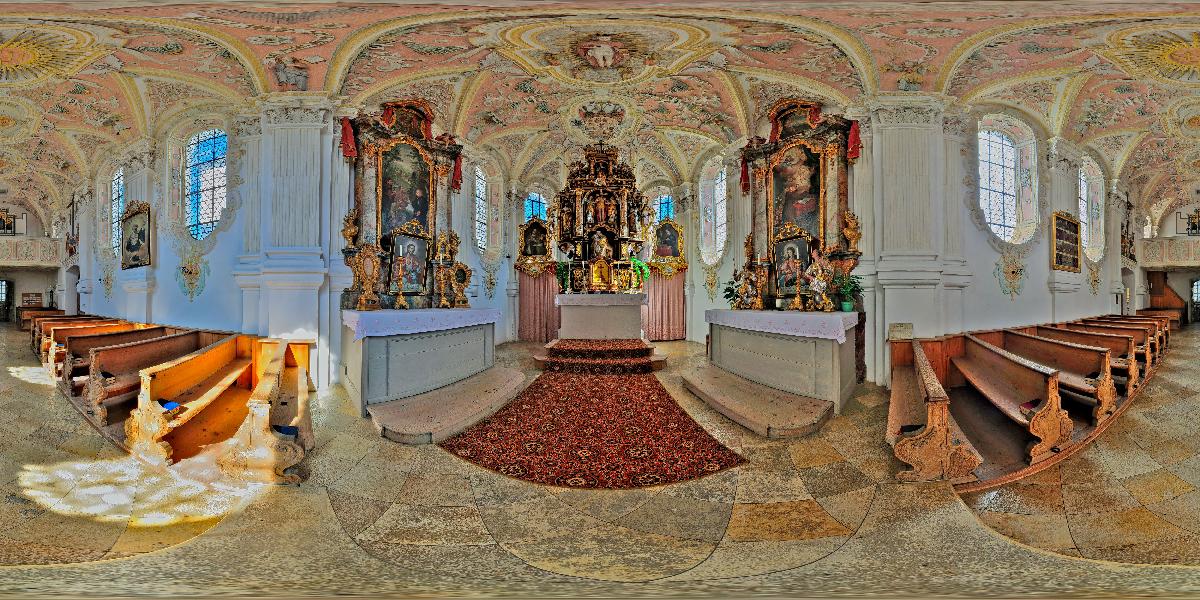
[(600, 316), (805, 353)]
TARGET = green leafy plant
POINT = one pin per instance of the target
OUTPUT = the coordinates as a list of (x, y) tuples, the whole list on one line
[(562, 269), (640, 269), (730, 292), (848, 286)]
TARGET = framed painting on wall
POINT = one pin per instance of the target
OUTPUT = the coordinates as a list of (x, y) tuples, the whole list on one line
[(136, 236), (797, 189), (405, 190), (410, 265), (667, 252), (791, 258), (1067, 252)]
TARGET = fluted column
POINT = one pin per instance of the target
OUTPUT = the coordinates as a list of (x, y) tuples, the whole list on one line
[(247, 132)]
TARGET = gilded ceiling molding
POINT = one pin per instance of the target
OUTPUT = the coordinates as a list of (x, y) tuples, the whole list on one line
[(462, 108), (858, 54), (1165, 52), (36, 52), (1060, 111)]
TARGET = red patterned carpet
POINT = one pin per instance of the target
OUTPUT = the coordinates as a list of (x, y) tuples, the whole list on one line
[(574, 428)]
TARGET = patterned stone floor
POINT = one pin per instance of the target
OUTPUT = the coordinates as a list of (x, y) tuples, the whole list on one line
[(1130, 497), (818, 516)]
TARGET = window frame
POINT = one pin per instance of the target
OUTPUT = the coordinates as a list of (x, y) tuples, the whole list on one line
[(1009, 175), (116, 207), (714, 214), (659, 204), (201, 221), (1092, 197), (480, 218), (530, 202)]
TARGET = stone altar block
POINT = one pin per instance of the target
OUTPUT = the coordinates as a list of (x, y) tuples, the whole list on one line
[(392, 354), (600, 316), (804, 353)]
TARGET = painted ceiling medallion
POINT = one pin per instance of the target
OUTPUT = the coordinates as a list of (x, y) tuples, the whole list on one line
[(597, 53), (1169, 56), (1193, 122), (33, 54), (600, 120)]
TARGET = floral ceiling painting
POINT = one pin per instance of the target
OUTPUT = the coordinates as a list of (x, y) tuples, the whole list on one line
[(527, 82)]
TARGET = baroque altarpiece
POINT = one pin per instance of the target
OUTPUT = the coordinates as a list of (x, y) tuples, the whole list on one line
[(803, 233), (398, 244)]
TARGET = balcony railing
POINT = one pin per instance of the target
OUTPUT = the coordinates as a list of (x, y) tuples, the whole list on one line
[(30, 252), (1168, 252)]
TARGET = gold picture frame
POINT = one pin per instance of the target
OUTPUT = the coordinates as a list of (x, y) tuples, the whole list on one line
[(668, 252), (137, 236), (1066, 249), (534, 257), (414, 227), (788, 229)]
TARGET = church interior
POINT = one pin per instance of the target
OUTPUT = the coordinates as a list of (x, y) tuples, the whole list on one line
[(567, 299)]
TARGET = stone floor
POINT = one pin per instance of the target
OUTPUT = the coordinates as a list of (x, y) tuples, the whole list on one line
[(817, 516)]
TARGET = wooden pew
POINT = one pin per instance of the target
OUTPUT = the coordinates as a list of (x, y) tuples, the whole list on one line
[(1143, 340), (1022, 390), (1174, 314), (113, 371), (64, 330), (25, 314), (193, 401), (41, 326), (277, 430), (77, 353), (1086, 371), (1164, 326), (56, 350), (920, 428), (1122, 350), (1153, 332)]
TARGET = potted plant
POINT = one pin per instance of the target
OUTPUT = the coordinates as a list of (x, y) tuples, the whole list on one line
[(848, 287)]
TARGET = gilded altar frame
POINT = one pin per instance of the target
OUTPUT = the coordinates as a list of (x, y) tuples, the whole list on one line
[(414, 228), (533, 264), (668, 266), (777, 232), (137, 212)]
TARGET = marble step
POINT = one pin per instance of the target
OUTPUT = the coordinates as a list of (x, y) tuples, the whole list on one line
[(764, 410), (658, 361), (436, 415)]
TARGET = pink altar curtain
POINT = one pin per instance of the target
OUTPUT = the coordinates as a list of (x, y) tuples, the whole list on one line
[(537, 319), (665, 314)]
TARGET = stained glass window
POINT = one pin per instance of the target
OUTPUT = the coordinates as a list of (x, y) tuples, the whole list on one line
[(535, 206), (205, 181), (713, 216), (481, 224), (666, 207), (116, 207), (1195, 293), (998, 182)]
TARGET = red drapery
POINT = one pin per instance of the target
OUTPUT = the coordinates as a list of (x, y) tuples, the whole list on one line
[(537, 319), (665, 313)]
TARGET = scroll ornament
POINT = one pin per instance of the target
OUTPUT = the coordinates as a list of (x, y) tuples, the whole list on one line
[(1094, 277), (1010, 273), (193, 272)]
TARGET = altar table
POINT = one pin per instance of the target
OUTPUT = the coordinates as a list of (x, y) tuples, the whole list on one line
[(600, 316), (392, 354), (805, 353)]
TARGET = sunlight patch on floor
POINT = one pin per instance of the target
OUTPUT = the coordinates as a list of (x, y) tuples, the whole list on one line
[(36, 375)]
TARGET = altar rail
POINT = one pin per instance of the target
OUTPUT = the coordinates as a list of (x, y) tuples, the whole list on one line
[(30, 252)]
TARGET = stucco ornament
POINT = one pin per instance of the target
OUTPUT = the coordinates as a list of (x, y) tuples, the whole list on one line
[(1093, 278), (1010, 273), (191, 275)]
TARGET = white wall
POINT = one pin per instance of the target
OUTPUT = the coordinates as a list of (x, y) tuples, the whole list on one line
[(29, 281)]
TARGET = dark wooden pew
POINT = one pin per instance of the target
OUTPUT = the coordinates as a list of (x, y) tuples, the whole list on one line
[(113, 371), (77, 353), (1143, 340), (1086, 371), (920, 428), (1174, 314), (46, 340), (26, 314), (54, 354), (195, 400), (1154, 335), (1022, 390), (1164, 326), (1122, 350)]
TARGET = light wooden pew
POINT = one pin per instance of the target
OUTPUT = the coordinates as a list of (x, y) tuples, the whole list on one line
[(42, 325), (1143, 341), (277, 430), (1122, 350), (1164, 326), (77, 353), (920, 428), (1023, 391), (56, 350), (25, 314), (113, 371), (195, 400), (1154, 338), (1174, 314), (64, 331), (1085, 371)]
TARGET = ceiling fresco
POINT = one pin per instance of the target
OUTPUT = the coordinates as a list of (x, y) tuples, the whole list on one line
[(525, 83)]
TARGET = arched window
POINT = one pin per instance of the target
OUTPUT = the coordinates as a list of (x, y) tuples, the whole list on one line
[(1091, 209), (481, 212), (116, 207), (205, 181), (1008, 178), (714, 218), (535, 206), (664, 206)]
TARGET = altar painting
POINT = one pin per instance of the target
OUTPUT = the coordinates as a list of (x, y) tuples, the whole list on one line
[(135, 237), (534, 240), (791, 259), (666, 240), (410, 263), (796, 201), (405, 191)]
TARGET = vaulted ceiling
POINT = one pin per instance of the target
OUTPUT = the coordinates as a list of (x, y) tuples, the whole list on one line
[(525, 83)]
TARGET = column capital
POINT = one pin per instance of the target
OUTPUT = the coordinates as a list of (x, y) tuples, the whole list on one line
[(1063, 154), (297, 110), (908, 110)]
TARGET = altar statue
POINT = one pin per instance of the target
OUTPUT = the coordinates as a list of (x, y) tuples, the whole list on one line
[(600, 246)]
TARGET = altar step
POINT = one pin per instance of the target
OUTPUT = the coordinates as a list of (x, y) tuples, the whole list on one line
[(437, 415), (600, 357), (764, 410)]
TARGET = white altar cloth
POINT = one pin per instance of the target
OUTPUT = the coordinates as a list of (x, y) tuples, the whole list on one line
[(599, 299), (378, 323), (823, 325)]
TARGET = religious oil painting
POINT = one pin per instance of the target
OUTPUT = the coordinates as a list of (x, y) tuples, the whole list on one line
[(791, 258), (796, 192), (405, 191), (534, 239), (135, 236), (410, 263), (666, 240)]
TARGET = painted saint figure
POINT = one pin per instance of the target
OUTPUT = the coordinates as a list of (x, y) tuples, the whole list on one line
[(795, 182)]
